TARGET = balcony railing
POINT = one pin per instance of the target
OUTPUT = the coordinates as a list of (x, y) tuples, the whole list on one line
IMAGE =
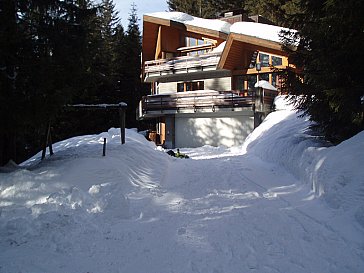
[(181, 64), (194, 101)]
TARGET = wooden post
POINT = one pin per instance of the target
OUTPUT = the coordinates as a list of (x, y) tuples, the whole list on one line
[(47, 142), (50, 140), (104, 147), (122, 123)]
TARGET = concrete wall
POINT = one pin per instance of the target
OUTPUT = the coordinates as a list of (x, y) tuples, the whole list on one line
[(228, 129), (167, 87), (218, 84)]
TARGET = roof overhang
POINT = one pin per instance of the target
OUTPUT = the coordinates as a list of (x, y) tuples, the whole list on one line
[(186, 27), (240, 47)]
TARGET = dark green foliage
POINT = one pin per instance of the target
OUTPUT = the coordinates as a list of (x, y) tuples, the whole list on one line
[(330, 51), (41, 63), (130, 68), (54, 53), (204, 8), (275, 10)]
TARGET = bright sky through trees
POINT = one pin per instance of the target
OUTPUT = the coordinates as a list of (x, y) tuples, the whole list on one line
[(143, 6)]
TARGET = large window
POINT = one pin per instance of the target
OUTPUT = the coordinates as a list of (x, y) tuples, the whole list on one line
[(276, 61), (191, 42), (267, 60), (264, 59), (190, 86)]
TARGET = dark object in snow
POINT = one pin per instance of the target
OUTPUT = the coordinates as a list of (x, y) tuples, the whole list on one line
[(177, 154), (180, 155), (171, 153)]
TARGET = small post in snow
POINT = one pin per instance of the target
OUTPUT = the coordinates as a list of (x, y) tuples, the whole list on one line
[(47, 142), (122, 109), (104, 147)]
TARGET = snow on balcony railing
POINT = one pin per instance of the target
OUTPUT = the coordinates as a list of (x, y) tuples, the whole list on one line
[(180, 63), (196, 100)]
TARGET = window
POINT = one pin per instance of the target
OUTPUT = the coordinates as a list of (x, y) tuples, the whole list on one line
[(264, 59), (180, 87), (277, 80), (251, 82), (190, 86), (276, 61), (190, 42), (264, 76), (239, 82), (274, 79)]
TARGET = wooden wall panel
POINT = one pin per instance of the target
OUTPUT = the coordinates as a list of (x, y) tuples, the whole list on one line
[(171, 39)]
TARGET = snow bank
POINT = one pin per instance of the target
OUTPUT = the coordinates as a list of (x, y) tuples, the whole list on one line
[(139, 210), (213, 24), (283, 102), (76, 185), (334, 172)]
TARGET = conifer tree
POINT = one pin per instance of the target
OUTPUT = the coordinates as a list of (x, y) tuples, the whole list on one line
[(132, 88), (42, 46), (329, 44)]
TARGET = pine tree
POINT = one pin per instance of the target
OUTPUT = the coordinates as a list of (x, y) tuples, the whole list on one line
[(132, 88), (10, 97), (42, 51), (205, 8), (330, 39), (200, 8)]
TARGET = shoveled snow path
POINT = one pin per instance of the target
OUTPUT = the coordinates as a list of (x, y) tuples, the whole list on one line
[(219, 211), (250, 216)]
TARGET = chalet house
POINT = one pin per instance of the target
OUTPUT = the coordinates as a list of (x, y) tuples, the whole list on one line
[(212, 82)]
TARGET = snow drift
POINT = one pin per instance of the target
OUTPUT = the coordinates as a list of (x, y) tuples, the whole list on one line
[(286, 201)]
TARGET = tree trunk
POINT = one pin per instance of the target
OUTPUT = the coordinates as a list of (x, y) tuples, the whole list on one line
[(7, 148)]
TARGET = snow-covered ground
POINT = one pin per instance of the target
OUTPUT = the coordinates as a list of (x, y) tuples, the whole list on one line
[(283, 202)]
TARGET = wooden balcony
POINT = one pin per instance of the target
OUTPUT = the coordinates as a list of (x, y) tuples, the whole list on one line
[(183, 64), (192, 102), (204, 101)]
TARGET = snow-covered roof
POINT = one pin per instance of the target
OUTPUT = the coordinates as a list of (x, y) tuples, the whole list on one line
[(263, 31), (212, 24), (266, 85), (259, 30)]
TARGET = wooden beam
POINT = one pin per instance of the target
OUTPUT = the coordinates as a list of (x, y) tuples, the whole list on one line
[(121, 107), (268, 69), (225, 53), (257, 41), (156, 20), (158, 47)]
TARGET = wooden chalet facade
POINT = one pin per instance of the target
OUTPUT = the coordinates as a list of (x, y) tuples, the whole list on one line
[(203, 79)]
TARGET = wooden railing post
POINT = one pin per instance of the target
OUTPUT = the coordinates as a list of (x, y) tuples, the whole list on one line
[(47, 142), (104, 147), (122, 122)]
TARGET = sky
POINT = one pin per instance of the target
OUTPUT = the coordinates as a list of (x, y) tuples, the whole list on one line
[(143, 6)]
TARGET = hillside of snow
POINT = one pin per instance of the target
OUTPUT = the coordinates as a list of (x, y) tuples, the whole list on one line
[(285, 201)]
